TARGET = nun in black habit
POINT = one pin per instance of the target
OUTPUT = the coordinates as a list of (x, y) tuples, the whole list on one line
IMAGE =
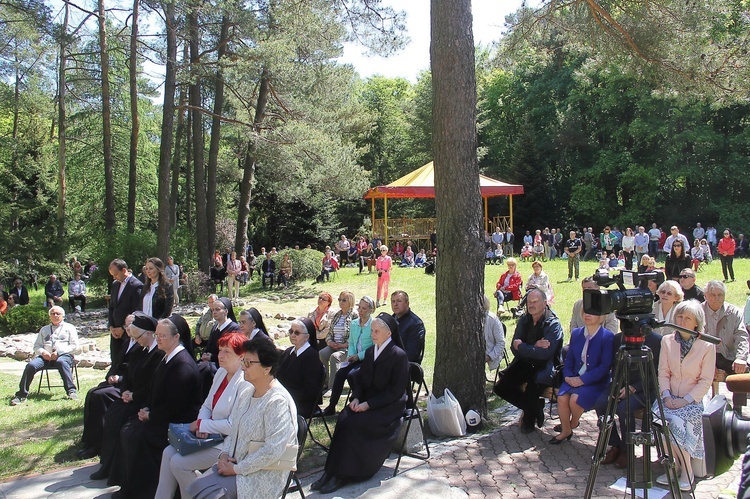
[(226, 322), (176, 397), (135, 390), (300, 370), (369, 424)]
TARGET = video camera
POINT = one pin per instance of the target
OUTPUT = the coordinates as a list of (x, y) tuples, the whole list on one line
[(633, 307)]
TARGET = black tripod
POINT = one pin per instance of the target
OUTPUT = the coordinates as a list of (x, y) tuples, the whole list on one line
[(649, 435), (634, 353)]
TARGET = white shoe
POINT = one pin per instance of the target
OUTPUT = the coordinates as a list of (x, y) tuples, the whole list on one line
[(663, 480), (685, 486)]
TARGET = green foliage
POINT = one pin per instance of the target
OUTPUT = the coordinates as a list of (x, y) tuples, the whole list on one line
[(306, 263), (196, 288), (133, 248), (23, 319)]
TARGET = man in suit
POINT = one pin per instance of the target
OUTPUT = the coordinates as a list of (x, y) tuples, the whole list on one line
[(125, 299), (268, 268), (53, 292), (22, 294)]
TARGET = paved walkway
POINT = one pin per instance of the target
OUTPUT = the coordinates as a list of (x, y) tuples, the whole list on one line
[(502, 464)]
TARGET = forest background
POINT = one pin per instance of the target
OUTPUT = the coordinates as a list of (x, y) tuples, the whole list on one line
[(257, 134)]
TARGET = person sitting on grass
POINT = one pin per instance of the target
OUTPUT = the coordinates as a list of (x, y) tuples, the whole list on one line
[(54, 347), (421, 259)]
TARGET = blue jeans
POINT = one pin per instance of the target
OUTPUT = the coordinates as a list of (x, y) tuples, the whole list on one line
[(64, 364)]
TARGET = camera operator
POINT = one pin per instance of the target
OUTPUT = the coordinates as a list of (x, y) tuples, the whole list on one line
[(536, 347)]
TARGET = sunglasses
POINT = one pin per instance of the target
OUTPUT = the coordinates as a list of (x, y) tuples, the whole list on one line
[(292, 332), (666, 293), (685, 276)]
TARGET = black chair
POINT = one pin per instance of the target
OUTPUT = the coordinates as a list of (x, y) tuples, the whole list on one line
[(302, 429), (317, 412), (44, 372), (412, 412)]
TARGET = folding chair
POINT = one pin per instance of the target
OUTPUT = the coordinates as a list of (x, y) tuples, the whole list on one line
[(45, 372), (302, 430), (317, 412), (412, 412)]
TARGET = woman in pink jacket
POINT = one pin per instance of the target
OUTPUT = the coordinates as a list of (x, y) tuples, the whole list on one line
[(383, 266), (726, 254), (686, 370)]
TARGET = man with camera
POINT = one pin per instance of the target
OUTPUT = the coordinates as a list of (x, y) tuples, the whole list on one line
[(536, 347)]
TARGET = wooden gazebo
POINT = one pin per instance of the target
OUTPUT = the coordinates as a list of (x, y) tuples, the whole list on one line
[(421, 184)]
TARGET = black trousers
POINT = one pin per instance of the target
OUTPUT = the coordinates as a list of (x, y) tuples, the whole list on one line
[(739, 399), (726, 265), (511, 389)]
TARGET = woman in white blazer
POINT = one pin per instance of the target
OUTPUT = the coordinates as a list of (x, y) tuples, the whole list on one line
[(229, 382)]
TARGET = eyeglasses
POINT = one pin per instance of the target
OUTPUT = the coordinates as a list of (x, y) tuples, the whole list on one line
[(666, 293), (55, 313), (292, 332), (247, 363), (686, 276), (675, 245), (136, 338), (163, 336)]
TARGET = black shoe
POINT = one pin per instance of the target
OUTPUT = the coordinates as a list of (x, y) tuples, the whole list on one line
[(333, 485), (316, 485), (87, 453), (556, 441), (99, 475), (540, 416), (329, 411)]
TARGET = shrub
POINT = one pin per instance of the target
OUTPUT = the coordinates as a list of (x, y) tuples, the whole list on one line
[(197, 288), (23, 319), (133, 248), (306, 263)]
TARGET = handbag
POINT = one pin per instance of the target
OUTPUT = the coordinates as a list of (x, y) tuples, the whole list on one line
[(185, 441), (445, 416), (287, 461)]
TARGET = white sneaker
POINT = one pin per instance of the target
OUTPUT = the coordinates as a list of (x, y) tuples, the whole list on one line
[(663, 480)]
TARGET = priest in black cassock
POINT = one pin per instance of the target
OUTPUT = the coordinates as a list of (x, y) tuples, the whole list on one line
[(300, 370), (369, 425)]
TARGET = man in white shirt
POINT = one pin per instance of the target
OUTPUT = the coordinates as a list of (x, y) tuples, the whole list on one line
[(698, 232), (54, 346), (674, 237), (653, 240)]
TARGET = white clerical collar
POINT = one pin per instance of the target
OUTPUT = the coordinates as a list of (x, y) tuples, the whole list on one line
[(378, 350), (177, 350), (301, 349)]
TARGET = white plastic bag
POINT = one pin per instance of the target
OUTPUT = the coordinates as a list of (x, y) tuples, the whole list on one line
[(445, 415)]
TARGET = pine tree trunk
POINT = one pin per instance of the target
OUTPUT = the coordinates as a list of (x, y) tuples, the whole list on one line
[(201, 226), (248, 174), (135, 125), (177, 158), (459, 353), (213, 150), (110, 222), (167, 133), (188, 195), (61, 131)]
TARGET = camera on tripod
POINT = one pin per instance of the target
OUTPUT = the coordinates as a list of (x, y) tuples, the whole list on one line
[(639, 300)]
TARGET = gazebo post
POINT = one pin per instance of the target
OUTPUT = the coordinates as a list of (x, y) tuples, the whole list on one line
[(511, 212), (372, 231), (385, 222), (486, 218)]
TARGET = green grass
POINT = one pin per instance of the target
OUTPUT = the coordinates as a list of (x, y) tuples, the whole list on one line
[(42, 434)]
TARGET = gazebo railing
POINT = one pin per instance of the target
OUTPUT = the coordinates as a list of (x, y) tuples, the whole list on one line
[(404, 228)]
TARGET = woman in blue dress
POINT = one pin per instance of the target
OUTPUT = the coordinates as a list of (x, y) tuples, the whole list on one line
[(586, 372)]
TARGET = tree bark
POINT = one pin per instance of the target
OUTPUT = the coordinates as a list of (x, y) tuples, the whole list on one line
[(213, 150), (110, 222), (135, 126), (61, 130), (201, 225), (460, 350), (167, 129), (177, 159), (188, 195), (248, 174)]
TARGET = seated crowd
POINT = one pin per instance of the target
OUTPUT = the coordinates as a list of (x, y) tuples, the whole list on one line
[(229, 382), (584, 368)]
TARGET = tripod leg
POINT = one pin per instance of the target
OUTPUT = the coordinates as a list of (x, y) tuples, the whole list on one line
[(661, 433), (605, 424)]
